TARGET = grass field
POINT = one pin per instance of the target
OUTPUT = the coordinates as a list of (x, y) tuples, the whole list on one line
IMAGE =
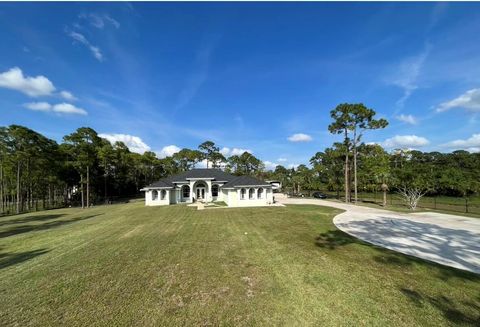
[(134, 265)]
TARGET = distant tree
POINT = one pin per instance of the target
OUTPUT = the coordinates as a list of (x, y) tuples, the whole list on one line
[(245, 164), (329, 165), (83, 145), (209, 150), (186, 158), (352, 120)]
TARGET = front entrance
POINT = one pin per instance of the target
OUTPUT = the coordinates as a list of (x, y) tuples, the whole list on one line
[(200, 193)]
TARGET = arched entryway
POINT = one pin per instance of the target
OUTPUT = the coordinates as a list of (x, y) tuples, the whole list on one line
[(200, 191)]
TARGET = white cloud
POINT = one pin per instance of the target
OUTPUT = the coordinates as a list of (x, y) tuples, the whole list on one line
[(67, 108), (32, 86), (202, 164), (471, 144), (233, 152), (134, 143), (62, 108), (99, 21), (225, 151), (300, 137), (239, 151), (168, 151), (282, 159), (405, 141), (469, 100), (38, 106), (97, 53), (270, 165), (68, 96), (409, 119)]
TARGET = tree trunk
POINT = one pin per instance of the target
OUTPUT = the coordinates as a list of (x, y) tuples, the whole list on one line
[(88, 187), (346, 169), (384, 198), (18, 188), (355, 166), (81, 189), (105, 188)]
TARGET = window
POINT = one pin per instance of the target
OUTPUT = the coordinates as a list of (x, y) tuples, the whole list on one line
[(242, 194), (163, 193), (251, 194), (186, 191), (215, 190), (260, 193), (154, 195)]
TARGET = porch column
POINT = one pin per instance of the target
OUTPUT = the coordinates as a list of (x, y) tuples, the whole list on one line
[(191, 190)]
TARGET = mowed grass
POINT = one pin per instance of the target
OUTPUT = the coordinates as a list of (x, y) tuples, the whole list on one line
[(130, 265)]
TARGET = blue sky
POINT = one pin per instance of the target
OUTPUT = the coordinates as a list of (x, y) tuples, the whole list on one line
[(255, 76)]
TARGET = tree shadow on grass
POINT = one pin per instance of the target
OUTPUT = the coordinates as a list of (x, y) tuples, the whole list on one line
[(49, 225), (450, 310), (10, 259), (29, 219), (334, 239)]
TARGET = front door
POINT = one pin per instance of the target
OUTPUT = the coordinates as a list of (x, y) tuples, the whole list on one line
[(200, 193)]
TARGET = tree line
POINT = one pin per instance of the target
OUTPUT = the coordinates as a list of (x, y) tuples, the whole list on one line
[(84, 169)]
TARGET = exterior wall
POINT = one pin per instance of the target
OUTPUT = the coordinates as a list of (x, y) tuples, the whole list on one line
[(158, 201), (234, 199), (230, 196)]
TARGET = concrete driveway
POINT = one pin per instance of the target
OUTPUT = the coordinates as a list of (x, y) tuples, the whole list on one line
[(446, 239)]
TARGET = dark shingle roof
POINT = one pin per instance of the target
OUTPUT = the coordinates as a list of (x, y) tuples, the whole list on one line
[(216, 174), (245, 181)]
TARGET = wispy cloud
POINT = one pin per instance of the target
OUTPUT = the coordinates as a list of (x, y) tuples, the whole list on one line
[(196, 79), (99, 20), (407, 73), (409, 119), (61, 108), (32, 86), (97, 53), (469, 101), (300, 137), (68, 96)]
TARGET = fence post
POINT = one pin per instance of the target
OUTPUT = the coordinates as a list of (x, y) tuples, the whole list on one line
[(466, 205), (435, 202)]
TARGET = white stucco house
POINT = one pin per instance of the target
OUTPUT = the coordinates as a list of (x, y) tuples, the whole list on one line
[(209, 185)]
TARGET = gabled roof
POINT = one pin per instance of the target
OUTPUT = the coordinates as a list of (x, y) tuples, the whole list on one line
[(208, 173)]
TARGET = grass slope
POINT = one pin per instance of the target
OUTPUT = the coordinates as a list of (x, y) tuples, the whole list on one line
[(135, 265)]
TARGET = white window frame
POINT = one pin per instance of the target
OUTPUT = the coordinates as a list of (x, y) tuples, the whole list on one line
[(251, 194), (154, 195), (163, 194)]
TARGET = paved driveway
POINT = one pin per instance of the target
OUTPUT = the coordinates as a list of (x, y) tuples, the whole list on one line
[(446, 239)]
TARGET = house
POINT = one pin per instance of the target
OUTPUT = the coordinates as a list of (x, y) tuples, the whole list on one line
[(209, 185)]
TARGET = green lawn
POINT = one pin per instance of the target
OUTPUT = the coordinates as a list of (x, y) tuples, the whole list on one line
[(134, 265)]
